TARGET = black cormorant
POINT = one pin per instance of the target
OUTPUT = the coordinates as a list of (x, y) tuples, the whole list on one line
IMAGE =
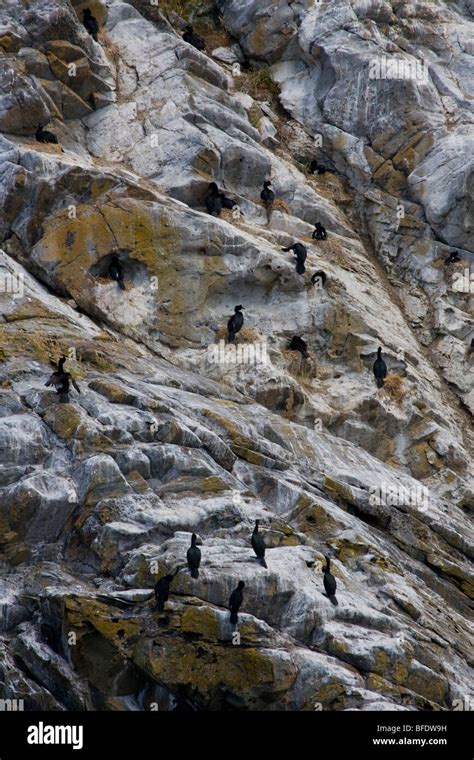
[(227, 202), (298, 344), (61, 380), (234, 325), (213, 200), (316, 168), (300, 252), (194, 557), (235, 601), (162, 591), (267, 195), (116, 272), (319, 232), (380, 368), (471, 347), (453, 258), (329, 583), (90, 23), (216, 200), (193, 39), (258, 544), (44, 136), (319, 274)]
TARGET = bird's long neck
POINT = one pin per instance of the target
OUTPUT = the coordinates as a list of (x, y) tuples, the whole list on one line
[(328, 565)]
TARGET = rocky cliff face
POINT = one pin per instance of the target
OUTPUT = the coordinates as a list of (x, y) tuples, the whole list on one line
[(99, 496)]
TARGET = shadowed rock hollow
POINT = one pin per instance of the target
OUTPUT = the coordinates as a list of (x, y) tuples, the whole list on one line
[(99, 496)]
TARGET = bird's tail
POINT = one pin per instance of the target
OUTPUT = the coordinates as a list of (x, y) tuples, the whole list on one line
[(233, 617), (333, 600), (121, 284), (263, 563), (300, 267), (231, 337), (194, 572), (380, 382)]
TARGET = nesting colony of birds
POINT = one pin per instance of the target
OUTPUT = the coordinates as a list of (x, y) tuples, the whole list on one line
[(162, 507)]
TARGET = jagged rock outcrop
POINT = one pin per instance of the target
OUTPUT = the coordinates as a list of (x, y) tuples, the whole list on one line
[(99, 496)]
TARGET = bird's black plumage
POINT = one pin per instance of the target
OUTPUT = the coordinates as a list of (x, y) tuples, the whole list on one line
[(319, 232), (90, 23), (316, 168), (330, 583), (471, 347), (194, 557), (300, 253), (319, 274), (162, 591), (453, 258), (44, 136), (258, 544), (61, 380), (235, 323), (193, 39), (215, 200), (235, 601), (116, 272), (380, 369), (227, 202), (298, 344), (267, 195)]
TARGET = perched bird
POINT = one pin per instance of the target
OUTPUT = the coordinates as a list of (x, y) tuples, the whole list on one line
[(116, 272), (213, 200), (319, 275), (298, 344), (453, 258), (216, 200), (227, 202), (300, 253), (235, 602), (471, 347), (316, 168), (90, 23), (380, 368), (329, 583), (44, 136), (267, 195), (194, 557), (235, 323), (258, 544), (319, 232), (162, 591), (193, 39), (60, 380)]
